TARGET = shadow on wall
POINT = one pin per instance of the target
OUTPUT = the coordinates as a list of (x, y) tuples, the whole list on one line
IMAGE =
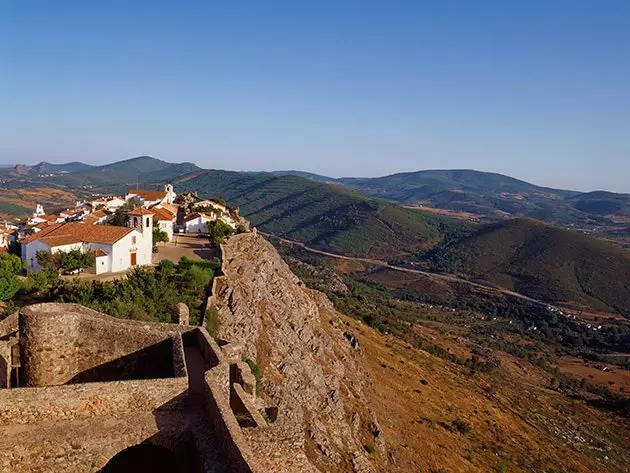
[(171, 450), (153, 362)]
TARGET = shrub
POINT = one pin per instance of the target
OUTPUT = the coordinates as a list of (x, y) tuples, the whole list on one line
[(461, 426), (212, 322), (255, 371), (10, 267)]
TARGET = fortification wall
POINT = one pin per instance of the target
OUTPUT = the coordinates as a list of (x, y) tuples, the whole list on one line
[(68, 343), (79, 401), (217, 406), (9, 326)]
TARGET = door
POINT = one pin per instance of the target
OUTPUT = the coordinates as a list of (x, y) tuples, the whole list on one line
[(133, 259)]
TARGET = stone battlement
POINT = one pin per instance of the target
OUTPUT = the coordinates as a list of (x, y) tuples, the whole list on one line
[(94, 386)]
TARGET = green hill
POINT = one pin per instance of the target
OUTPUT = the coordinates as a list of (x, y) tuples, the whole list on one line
[(143, 171), (543, 262), (318, 214), (50, 168)]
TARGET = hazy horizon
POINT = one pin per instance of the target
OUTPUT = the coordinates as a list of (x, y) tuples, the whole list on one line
[(536, 91)]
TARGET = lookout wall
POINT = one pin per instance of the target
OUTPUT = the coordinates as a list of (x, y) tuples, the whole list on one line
[(69, 343)]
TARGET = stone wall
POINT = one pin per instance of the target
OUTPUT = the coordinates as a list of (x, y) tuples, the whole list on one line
[(9, 326), (217, 406), (227, 430), (77, 401), (62, 343)]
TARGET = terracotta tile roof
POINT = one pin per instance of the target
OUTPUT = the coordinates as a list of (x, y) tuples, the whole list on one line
[(195, 215), (91, 220), (162, 214), (49, 218), (139, 212), (100, 213), (148, 195), (76, 232), (98, 253), (170, 207)]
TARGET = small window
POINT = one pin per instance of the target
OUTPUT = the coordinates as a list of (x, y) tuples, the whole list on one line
[(133, 240), (148, 225), (135, 221)]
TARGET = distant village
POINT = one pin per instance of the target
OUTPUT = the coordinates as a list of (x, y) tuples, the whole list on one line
[(88, 227)]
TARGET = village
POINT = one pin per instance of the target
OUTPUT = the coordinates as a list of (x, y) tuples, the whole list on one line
[(119, 231)]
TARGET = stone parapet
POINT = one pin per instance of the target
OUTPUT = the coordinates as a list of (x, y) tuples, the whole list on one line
[(77, 401)]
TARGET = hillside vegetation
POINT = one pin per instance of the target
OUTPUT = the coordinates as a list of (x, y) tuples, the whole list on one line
[(495, 196), (318, 214), (117, 177), (542, 261)]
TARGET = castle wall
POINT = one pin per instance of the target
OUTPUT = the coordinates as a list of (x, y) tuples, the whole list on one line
[(65, 343), (9, 326), (82, 401)]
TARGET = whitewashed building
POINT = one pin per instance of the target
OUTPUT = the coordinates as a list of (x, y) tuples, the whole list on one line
[(149, 198), (197, 222), (115, 248), (165, 220)]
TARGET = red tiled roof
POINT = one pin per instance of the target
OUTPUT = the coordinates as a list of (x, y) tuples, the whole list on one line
[(76, 232), (148, 195), (140, 211), (170, 207), (162, 214), (98, 253), (100, 213)]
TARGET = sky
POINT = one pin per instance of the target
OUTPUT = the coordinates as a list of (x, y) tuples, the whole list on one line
[(539, 90)]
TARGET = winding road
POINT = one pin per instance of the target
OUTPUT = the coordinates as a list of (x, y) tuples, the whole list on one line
[(385, 264)]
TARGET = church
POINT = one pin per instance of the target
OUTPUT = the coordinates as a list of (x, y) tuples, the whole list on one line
[(115, 248)]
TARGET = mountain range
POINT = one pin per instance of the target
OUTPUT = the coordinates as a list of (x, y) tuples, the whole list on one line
[(394, 218)]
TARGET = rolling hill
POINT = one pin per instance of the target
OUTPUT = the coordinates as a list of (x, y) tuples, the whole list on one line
[(319, 214), (542, 261), (491, 196), (49, 168), (115, 177)]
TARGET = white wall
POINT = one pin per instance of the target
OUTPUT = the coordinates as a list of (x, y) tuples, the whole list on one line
[(122, 249), (166, 226), (29, 252), (197, 225)]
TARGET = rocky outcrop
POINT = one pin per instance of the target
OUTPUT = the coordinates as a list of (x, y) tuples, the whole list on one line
[(309, 371)]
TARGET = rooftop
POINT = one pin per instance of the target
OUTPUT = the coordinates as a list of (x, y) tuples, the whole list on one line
[(147, 194), (76, 232), (162, 214)]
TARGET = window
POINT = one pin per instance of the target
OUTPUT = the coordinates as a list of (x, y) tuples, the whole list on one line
[(133, 240), (135, 221), (148, 224)]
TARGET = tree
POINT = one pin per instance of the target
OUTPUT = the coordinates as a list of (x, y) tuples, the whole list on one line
[(76, 260), (48, 260), (217, 231), (10, 267), (120, 217), (159, 235)]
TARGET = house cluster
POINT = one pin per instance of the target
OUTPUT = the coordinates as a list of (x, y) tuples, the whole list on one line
[(116, 248)]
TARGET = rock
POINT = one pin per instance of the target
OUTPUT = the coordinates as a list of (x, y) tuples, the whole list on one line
[(308, 364), (181, 314)]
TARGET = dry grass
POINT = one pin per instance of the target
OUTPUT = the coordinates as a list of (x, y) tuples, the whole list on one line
[(516, 423)]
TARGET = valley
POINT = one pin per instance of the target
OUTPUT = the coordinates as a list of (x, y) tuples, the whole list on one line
[(486, 346)]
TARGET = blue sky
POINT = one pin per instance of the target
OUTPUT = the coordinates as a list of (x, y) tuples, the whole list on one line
[(539, 89)]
